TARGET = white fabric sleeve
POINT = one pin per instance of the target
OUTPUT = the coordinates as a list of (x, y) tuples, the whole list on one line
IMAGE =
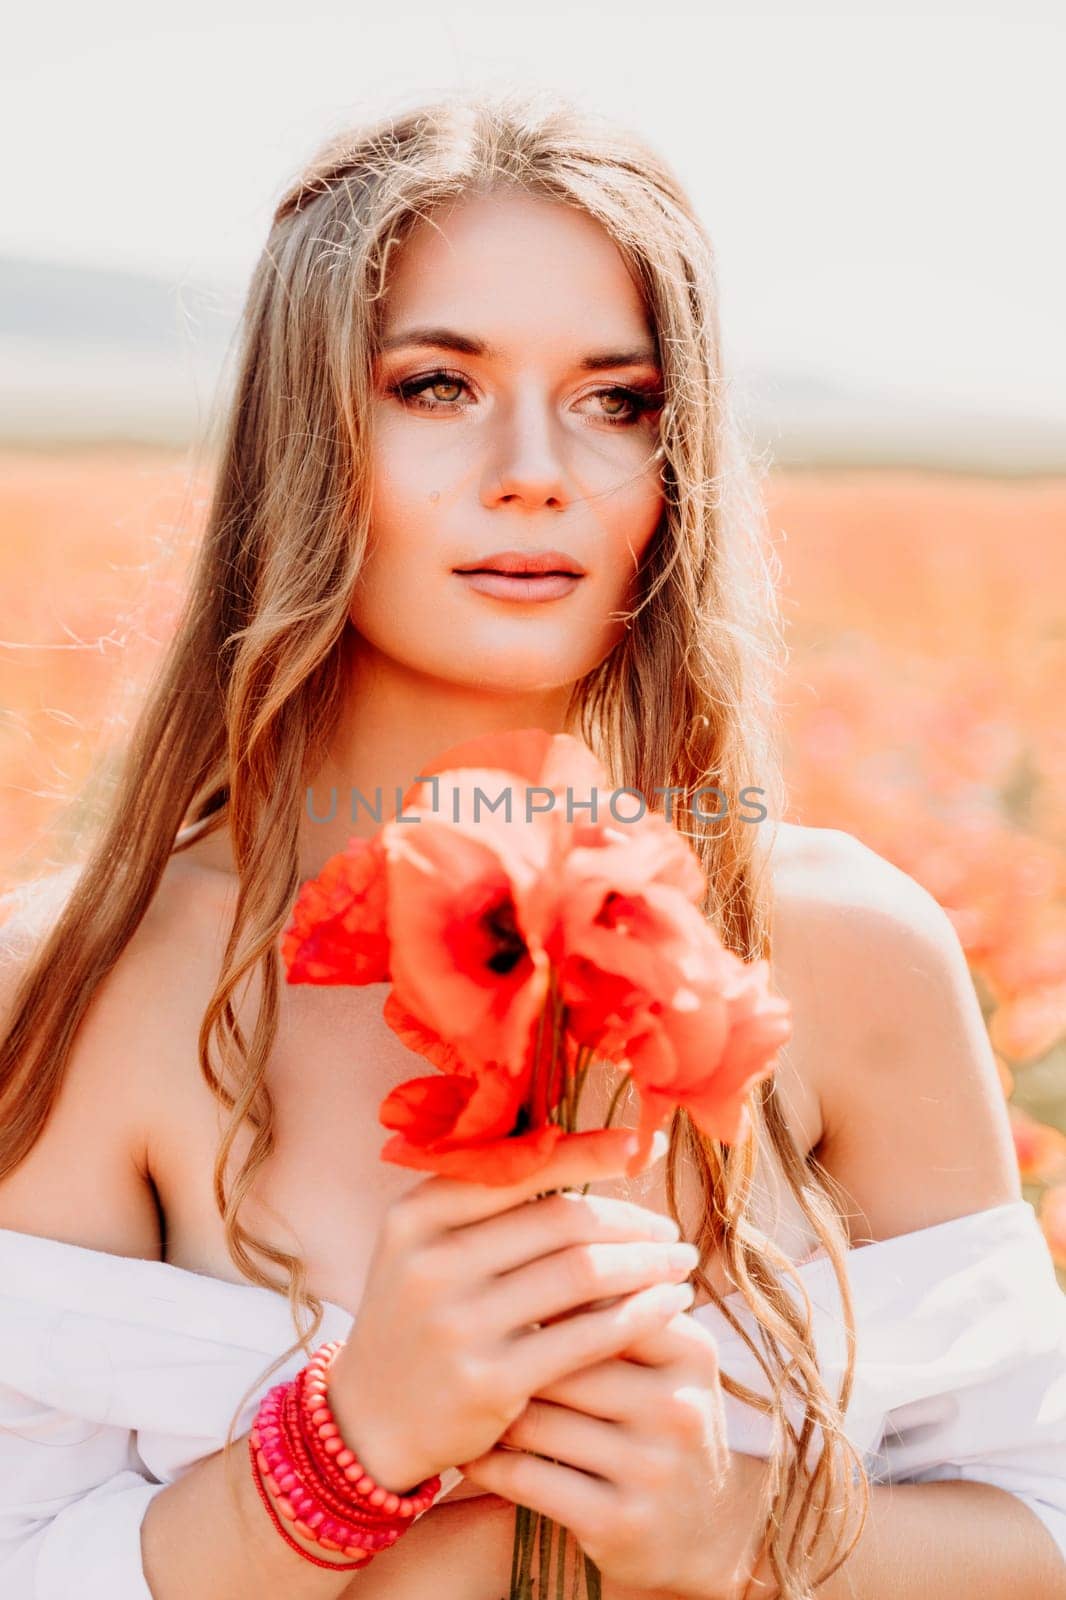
[(71, 1506), (986, 1400), (73, 1495)]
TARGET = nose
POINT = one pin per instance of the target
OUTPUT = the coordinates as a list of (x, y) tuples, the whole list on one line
[(525, 464)]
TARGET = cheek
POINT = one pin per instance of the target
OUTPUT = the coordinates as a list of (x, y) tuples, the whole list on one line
[(390, 565), (405, 513), (635, 523), (401, 474), (416, 467)]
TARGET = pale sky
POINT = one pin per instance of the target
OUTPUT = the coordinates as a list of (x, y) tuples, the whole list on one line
[(884, 190)]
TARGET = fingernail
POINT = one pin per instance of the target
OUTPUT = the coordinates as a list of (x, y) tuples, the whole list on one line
[(665, 1228)]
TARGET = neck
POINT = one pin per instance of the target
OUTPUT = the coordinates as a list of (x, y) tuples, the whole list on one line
[(394, 722)]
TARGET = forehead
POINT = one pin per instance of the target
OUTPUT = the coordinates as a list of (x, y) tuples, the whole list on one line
[(508, 266)]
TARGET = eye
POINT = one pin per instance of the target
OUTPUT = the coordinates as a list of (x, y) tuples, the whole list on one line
[(411, 390), (636, 403)]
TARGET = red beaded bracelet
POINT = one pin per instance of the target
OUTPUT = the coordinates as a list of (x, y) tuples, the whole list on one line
[(343, 1476), (336, 1503), (298, 1497), (326, 1446), (335, 1566), (336, 1492), (367, 1529), (298, 1453)]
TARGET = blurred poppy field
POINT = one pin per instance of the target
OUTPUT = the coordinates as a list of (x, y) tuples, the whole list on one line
[(925, 705)]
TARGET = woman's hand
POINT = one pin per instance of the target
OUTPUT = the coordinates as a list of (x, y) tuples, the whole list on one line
[(642, 1473), (476, 1297)]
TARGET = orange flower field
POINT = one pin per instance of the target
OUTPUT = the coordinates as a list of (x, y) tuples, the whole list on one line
[(925, 709)]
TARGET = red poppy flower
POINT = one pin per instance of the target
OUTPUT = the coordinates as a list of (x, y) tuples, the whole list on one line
[(517, 927), (338, 931)]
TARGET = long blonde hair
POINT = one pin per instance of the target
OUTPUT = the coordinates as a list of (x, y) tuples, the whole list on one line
[(241, 712)]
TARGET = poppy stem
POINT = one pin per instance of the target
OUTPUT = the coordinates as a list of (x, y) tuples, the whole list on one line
[(558, 1100), (614, 1101)]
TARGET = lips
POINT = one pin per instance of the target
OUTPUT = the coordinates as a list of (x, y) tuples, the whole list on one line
[(527, 563)]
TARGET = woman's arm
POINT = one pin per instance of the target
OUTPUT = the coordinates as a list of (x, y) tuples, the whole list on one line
[(209, 1534), (75, 1518), (916, 1133), (939, 1540), (457, 1551), (928, 1539)]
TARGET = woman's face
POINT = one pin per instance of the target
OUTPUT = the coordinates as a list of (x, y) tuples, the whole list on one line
[(516, 409)]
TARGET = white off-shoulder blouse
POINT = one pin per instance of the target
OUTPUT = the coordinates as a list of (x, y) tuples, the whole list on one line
[(118, 1374)]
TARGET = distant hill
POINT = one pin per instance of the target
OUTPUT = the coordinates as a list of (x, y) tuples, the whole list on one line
[(806, 420), (91, 354)]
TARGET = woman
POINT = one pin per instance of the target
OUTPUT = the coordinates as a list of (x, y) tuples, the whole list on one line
[(484, 330)]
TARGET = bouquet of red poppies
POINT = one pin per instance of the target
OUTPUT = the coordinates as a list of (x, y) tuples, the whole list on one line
[(527, 935)]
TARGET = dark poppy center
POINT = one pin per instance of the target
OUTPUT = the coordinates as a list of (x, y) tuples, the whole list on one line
[(618, 912), (508, 945)]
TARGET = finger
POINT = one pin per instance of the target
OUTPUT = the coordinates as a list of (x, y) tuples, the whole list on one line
[(569, 1497), (543, 1355), (629, 1387), (583, 1275), (662, 1343), (682, 1340), (539, 1227), (572, 1438), (438, 1203), (613, 1390)]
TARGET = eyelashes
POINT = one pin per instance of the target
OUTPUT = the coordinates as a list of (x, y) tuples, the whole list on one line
[(640, 399)]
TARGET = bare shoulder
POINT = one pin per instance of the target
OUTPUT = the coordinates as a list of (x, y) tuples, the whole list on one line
[(85, 1180), (828, 872), (914, 1126), (840, 911)]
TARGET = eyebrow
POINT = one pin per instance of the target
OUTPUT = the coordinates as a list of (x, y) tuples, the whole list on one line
[(448, 339)]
